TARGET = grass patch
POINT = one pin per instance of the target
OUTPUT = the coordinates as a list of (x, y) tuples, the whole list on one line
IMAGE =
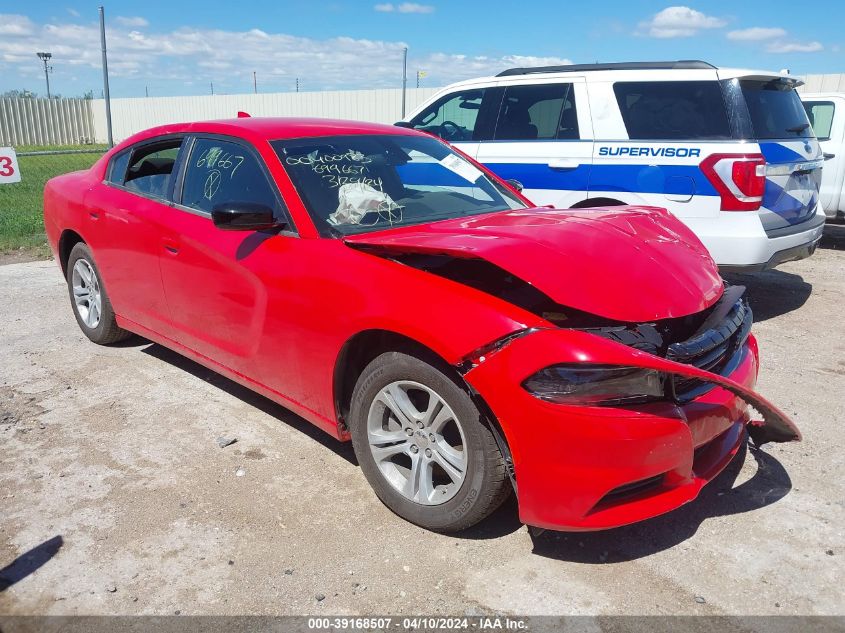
[(21, 203)]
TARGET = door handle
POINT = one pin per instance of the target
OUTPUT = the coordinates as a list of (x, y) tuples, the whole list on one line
[(828, 155), (95, 214), (171, 247), (564, 163)]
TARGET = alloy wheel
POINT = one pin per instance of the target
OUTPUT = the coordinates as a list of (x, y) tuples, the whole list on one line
[(417, 442), (87, 297)]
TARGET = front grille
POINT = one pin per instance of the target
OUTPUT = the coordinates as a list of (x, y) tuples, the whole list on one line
[(717, 350), (715, 346)]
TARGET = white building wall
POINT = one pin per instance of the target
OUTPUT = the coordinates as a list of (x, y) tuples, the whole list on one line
[(823, 83), (133, 115)]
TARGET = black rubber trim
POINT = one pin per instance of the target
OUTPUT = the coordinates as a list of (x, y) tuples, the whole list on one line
[(682, 64), (809, 224)]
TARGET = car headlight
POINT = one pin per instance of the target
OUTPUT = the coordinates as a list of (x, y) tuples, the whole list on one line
[(596, 385)]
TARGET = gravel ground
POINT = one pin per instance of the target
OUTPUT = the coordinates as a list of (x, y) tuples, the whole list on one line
[(115, 497)]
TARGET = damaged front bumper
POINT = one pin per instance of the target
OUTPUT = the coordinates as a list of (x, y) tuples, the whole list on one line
[(596, 467)]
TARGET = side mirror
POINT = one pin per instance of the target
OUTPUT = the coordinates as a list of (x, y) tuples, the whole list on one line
[(244, 216), (404, 124), (513, 182)]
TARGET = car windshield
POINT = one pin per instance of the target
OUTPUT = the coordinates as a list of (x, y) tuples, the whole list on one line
[(360, 183)]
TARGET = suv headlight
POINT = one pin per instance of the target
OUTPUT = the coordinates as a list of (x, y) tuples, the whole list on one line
[(596, 385)]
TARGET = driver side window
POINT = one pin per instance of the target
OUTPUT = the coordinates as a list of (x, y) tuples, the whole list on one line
[(453, 117)]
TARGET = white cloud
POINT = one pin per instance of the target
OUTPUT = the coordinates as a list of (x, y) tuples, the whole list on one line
[(132, 21), (404, 7), (15, 25), (73, 12), (794, 47), (755, 34), (413, 7), (201, 55), (679, 21)]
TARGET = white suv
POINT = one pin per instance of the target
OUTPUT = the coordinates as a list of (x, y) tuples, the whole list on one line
[(729, 152)]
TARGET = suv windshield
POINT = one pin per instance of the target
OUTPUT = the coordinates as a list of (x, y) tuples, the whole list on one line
[(776, 110), (359, 183)]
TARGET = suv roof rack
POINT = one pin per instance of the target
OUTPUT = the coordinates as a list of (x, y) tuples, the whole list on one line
[(681, 64)]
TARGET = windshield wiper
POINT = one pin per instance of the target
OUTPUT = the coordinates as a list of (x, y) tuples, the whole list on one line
[(798, 128)]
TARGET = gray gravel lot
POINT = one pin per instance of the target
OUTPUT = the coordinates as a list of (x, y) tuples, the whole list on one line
[(115, 497)]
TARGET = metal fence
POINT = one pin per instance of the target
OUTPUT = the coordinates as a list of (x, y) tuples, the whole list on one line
[(21, 203), (823, 83), (136, 114), (46, 122)]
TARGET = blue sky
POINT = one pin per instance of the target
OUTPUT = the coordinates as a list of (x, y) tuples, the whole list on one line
[(181, 46)]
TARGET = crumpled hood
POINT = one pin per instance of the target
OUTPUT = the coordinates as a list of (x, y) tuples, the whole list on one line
[(622, 263)]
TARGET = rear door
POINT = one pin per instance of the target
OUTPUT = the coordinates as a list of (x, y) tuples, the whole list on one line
[(827, 116), (793, 155), (543, 139), (127, 209)]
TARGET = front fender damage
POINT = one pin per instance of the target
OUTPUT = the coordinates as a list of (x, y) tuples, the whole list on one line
[(525, 355)]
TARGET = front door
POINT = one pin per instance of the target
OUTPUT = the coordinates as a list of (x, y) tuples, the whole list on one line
[(829, 126), (212, 277), (463, 118), (543, 139)]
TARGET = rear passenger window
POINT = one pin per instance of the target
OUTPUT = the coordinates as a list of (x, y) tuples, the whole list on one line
[(545, 111), (151, 167), (820, 114), (220, 172), (117, 168), (667, 110)]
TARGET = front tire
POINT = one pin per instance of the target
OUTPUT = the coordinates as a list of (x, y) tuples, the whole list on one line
[(424, 446), (91, 305)]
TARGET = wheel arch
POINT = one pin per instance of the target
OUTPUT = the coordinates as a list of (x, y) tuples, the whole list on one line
[(361, 348), (598, 202), (68, 239)]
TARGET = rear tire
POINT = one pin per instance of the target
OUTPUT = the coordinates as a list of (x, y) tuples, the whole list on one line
[(88, 298), (424, 446)]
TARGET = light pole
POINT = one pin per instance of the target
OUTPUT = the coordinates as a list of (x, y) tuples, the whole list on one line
[(404, 77), (45, 57), (106, 96)]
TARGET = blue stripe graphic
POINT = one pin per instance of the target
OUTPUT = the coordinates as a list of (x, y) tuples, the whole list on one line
[(672, 179)]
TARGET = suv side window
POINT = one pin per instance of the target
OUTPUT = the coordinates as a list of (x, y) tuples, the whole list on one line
[(220, 171), (151, 167), (453, 117), (539, 111), (668, 110), (820, 114)]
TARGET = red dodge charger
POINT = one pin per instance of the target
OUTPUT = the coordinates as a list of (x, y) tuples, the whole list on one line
[(397, 294)]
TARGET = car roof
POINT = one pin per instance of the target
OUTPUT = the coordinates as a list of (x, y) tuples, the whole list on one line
[(272, 128), (624, 71)]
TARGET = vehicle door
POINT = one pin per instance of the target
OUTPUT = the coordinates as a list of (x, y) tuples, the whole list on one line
[(463, 118), (543, 139), (794, 158), (828, 123), (127, 210), (213, 278)]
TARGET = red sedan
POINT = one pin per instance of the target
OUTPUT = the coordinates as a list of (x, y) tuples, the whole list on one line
[(397, 294)]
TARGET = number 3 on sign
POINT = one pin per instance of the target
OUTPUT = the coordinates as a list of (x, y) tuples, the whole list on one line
[(9, 171)]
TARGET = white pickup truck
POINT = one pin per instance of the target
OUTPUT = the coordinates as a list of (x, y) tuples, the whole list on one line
[(826, 111)]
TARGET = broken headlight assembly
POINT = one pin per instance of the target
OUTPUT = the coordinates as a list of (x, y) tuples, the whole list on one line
[(596, 385)]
